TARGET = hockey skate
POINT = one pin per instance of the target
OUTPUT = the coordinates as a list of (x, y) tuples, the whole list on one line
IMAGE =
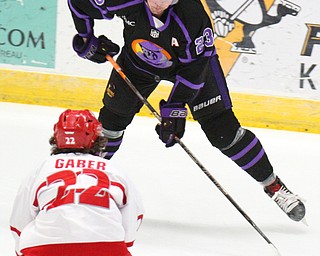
[(290, 203)]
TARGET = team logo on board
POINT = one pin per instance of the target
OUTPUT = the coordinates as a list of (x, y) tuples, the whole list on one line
[(252, 14), (243, 18)]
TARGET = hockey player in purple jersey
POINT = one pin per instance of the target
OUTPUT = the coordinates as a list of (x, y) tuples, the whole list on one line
[(174, 41)]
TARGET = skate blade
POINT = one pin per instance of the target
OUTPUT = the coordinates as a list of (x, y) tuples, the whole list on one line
[(243, 50)]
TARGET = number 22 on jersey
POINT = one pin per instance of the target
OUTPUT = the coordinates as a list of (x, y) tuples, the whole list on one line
[(97, 195)]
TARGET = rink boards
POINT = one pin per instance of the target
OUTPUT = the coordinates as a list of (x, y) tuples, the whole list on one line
[(79, 92)]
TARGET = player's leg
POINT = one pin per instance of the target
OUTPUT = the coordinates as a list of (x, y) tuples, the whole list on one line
[(244, 148), (114, 126), (239, 144), (212, 109), (121, 104)]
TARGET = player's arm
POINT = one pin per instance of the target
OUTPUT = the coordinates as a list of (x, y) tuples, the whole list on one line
[(132, 214), (85, 43), (189, 80), (84, 12), (194, 58), (23, 211)]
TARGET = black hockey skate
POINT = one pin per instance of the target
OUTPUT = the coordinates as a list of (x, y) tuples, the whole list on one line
[(290, 203)]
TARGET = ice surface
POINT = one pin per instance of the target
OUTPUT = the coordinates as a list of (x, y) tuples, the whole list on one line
[(185, 213)]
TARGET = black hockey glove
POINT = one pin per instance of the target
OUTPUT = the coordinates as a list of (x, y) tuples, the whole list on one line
[(95, 49), (173, 122)]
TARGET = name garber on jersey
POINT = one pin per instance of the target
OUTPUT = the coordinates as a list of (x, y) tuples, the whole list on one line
[(79, 163)]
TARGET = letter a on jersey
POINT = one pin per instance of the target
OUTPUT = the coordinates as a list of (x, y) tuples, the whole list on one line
[(174, 42)]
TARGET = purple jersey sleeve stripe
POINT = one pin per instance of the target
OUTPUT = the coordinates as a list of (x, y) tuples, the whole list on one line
[(186, 35), (188, 83), (205, 54), (93, 3), (180, 79), (121, 6), (209, 53), (245, 150), (167, 23), (86, 18), (221, 81), (172, 91), (186, 60), (82, 16), (150, 17), (254, 160)]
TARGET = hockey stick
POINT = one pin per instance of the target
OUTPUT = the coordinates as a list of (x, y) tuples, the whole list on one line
[(186, 149)]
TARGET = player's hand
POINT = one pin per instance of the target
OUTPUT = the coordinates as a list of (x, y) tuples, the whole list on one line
[(95, 49), (173, 121)]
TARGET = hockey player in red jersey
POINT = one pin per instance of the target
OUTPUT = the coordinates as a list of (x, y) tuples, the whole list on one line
[(76, 203), (174, 41)]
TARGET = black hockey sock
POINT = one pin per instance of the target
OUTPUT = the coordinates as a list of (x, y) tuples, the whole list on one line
[(248, 153)]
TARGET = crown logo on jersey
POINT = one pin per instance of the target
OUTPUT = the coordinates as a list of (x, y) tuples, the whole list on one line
[(154, 33)]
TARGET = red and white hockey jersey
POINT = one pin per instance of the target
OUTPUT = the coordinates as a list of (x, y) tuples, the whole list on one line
[(75, 199)]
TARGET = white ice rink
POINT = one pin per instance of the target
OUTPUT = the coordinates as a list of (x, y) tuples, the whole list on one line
[(186, 215)]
